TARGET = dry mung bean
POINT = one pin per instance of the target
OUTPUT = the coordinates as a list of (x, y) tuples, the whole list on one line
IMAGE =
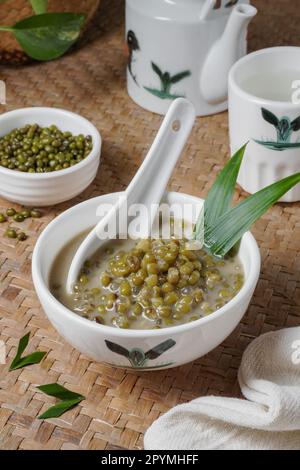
[(36, 149)]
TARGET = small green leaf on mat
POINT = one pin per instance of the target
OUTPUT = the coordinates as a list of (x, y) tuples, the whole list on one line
[(231, 226), (48, 36), (20, 362), (34, 358), (69, 400), (59, 409), (58, 391), (39, 6), (23, 343), (221, 193)]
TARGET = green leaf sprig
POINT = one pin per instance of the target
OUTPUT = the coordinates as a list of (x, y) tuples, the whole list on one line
[(20, 362), (225, 226), (68, 400), (219, 198), (46, 36)]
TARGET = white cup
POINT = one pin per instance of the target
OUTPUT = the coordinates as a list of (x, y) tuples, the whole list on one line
[(264, 110)]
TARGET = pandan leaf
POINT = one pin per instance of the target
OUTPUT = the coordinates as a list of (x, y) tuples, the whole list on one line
[(23, 343), (270, 117), (58, 391), (157, 70), (220, 195), (20, 362), (180, 76), (231, 226), (34, 358), (48, 36), (69, 400), (59, 409), (39, 6)]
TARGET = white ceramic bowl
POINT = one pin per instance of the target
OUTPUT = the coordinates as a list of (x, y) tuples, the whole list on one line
[(134, 348), (45, 189)]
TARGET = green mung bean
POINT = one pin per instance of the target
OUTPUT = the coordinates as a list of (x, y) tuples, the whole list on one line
[(152, 284), (11, 212), (36, 149), (22, 236), (11, 233), (18, 217), (35, 214)]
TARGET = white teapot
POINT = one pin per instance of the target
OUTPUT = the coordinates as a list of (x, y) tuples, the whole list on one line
[(184, 48)]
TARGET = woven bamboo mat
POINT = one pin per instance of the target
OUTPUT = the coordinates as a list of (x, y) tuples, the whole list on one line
[(120, 404)]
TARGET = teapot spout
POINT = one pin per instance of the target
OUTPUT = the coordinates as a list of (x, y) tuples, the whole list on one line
[(223, 54)]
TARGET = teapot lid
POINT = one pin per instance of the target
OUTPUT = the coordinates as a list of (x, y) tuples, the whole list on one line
[(183, 10)]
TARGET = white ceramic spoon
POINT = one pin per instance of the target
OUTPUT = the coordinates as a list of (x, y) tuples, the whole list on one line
[(148, 185)]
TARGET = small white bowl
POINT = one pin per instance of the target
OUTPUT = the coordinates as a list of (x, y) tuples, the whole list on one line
[(45, 189), (181, 344)]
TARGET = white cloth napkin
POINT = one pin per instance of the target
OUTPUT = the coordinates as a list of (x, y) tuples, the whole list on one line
[(269, 419)]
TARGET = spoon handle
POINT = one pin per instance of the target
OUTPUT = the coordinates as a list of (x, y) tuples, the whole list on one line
[(150, 182)]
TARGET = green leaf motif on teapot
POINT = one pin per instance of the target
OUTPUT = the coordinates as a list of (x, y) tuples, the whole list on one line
[(166, 82)]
